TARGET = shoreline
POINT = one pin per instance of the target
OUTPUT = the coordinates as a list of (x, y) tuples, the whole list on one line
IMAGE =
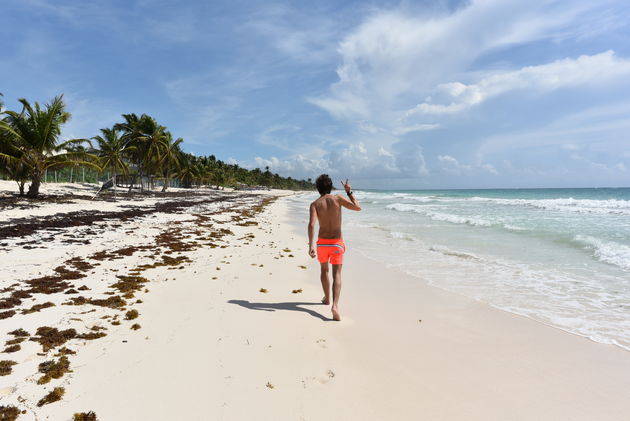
[(213, 345)]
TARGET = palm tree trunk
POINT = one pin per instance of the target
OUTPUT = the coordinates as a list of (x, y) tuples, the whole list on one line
[(166, 181), (21, 187), (33, 189), (133, 179)]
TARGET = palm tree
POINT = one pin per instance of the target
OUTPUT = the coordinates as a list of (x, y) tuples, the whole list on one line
[(170, 159), (112, 151), (188, 170), (31, 139), (147, 136)]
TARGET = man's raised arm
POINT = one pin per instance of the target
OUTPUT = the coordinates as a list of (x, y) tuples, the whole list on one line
[(353, 203)]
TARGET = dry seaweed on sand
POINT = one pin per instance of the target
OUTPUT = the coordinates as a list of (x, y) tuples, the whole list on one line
[(64, 351), (10, 302), (53, 284), (91, 335), (9, 413), (129, 284), (297, 291), (7, 314), (263, 290), (85, 416), (12, 348), (19, 332), (51, 337), (132, 314), (53, 369), (14, 341), (135, 326), (114, 301), (38, 307), (6, 368), (55, 395), (80, 264)]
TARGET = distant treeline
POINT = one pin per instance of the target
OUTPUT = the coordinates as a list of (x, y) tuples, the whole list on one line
[(137, 152)]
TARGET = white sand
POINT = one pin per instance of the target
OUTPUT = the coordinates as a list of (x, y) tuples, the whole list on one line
[(209, 347)]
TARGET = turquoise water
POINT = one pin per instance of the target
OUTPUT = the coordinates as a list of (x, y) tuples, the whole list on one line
[(559, 256)]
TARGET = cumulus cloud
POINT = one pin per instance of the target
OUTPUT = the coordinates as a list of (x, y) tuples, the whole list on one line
[(297, 166), (356, 160), (395, 56), (585, 69)]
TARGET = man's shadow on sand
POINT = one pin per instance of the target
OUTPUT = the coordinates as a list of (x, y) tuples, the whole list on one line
[(291, 306)]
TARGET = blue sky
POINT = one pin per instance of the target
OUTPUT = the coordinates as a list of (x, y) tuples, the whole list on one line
[(407, 94)]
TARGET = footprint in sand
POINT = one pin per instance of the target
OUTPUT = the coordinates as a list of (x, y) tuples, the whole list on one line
[(325, 378), (6, 391)]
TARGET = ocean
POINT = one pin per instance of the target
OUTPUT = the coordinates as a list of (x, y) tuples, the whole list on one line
[(558, 256)]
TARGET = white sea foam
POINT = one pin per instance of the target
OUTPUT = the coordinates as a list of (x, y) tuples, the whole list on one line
[(454, 219), (563, 262), (405, 207), (448, 252), (402, 236), (610, 206), (423, 199), (457, 219), (607, 251)]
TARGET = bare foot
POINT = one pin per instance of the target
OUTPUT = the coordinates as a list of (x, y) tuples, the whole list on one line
[(336, 315), (325, 301)]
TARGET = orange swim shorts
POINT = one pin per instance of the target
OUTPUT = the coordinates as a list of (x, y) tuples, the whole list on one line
[(330, 250)]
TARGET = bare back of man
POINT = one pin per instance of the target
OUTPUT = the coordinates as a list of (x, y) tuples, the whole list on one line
[(326, 211)]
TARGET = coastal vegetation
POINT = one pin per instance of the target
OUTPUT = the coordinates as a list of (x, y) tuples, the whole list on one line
[(137, 153)]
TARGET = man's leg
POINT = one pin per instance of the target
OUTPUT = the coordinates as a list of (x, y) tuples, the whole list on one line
[(336, 291), (325, 283)]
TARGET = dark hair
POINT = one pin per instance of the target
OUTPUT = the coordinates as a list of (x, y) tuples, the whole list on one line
[(324, 184)]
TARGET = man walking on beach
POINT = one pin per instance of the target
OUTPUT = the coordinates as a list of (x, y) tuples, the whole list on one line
[(330, 247)]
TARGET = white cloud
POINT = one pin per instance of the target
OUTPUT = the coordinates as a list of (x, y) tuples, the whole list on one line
[(617, 167), (606, 126), (449, 159), (297, 166), (304, 37), (403, 130), (490, 168), (595, 69), (396, 56), (355, 160), (453, 166)]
